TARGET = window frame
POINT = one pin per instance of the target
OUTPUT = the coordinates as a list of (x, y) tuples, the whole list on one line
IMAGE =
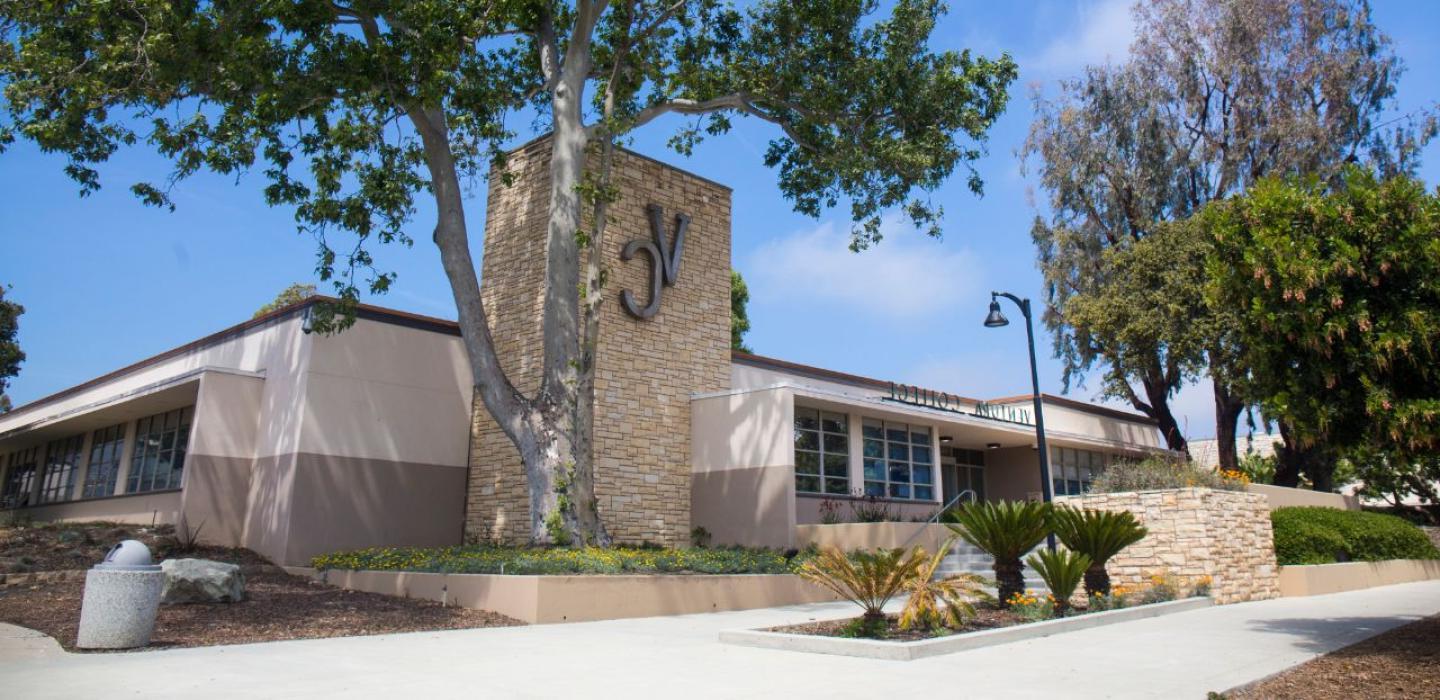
[(62, 466), (147, 457), (886, 461), (1073, 470), (826, 453), (16, 492), (107, 453)]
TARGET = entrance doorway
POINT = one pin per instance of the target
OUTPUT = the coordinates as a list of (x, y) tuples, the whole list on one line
[(962, 469)]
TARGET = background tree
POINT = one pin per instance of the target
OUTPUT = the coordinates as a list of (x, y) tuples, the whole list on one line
[(357, 108), (1338, 286), (293, 294), (739, 318), (10, 354), (1216, 95)]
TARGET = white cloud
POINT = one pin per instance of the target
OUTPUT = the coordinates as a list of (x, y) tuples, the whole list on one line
[(1102, 34), (907, 275)]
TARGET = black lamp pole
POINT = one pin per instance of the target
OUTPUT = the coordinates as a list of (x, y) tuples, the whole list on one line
[(995, 319)]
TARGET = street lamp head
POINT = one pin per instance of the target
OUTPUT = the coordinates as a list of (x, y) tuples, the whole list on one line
[(995, 319)]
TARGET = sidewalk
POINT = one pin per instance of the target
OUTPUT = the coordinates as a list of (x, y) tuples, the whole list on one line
[(1175, 657)]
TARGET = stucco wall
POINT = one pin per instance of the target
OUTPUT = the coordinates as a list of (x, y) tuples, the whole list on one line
[(1195, 533), (1283, 497), (138, 509), (849, 537), (743, 486), (646, 370)]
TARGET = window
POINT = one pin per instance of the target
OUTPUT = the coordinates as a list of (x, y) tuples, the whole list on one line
[(105, 448), (1072, 470), (898, 460), (159, 457), (969, 471), (822, 451), (62, 461), (20, 478)]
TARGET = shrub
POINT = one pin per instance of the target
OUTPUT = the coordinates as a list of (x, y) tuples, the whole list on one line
[(1163, 588), (867, 579), (487, 559), (1312, 535), (946, 602), (1154, 473), (1061, 570), (871, 509), (1099, 535), (1006, 530)]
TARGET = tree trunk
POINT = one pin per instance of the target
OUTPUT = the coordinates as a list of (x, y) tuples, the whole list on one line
[(1314, 461), (1009, 580), (1227, 414), (1097, 580), (1158, 395)]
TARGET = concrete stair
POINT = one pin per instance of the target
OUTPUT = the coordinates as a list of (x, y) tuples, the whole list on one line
[(966, 558)]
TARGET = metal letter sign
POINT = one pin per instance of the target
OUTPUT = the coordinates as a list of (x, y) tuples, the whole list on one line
[(664, 260)]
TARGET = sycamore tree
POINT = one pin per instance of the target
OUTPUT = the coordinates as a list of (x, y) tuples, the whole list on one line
[(1338, 284), (1216, 94), (354, 111), (10, 354)]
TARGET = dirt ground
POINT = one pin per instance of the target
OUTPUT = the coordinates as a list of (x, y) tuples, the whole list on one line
[(987, 617), (67, 546), (1401, 663), (276, 606)]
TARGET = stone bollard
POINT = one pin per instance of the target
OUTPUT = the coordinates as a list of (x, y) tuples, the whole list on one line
[(122, 595)]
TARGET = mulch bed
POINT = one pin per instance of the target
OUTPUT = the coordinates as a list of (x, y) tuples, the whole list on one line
[(1401, 663), (276, 607), (986, 617), (70, 546)]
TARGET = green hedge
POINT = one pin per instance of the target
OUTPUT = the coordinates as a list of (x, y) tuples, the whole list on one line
[(1326, 535), (589, 560)]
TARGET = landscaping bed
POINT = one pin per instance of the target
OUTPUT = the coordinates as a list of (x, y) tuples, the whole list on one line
[(1401, 663), (986, 617), (276, 607), (561, 561), (30, 548)]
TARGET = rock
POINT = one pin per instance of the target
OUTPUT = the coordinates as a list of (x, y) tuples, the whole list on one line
[(201, 581)]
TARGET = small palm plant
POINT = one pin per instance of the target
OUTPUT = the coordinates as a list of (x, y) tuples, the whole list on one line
[(1006, 530), (946, 602), (867, 579), (1061, 570), (1098, 534)]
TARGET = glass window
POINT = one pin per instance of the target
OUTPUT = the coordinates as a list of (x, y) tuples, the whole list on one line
[(159, 459), (822, 451), (899, 462), (20, 478), (62, 463), (106, 445), (1072, 471)]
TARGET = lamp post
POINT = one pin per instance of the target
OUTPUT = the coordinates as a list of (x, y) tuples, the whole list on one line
[(995, 319)]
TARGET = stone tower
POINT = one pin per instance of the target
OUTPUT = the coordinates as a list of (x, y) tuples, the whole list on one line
[(646, 368)]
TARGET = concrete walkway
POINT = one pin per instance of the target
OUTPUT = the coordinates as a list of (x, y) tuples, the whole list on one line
[(1175, 657)]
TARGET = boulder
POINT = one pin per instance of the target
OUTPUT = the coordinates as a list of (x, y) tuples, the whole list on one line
[(201, 581)]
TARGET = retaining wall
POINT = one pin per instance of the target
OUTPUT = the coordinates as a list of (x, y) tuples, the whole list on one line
[(1319, 579)]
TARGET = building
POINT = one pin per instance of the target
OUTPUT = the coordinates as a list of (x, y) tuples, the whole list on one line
[(293, 444), (1206, 452)]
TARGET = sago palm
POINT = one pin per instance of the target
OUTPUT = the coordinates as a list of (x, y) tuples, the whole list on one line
[(1006, 530), (946, 602), (867, 579), (1099, 535), (1061, 570)]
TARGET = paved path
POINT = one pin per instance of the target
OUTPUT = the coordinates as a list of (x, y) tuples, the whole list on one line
[(1175, 657)]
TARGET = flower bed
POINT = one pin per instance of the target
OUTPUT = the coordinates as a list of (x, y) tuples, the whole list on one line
[(564, 561)]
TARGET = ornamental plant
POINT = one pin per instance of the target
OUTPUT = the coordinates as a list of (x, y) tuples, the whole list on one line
[(1061, 570), (867, 579), (1005, 530), (946, 602), (1099, 535)]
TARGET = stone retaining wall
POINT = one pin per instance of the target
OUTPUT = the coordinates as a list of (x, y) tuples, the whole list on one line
[(1197, 533)]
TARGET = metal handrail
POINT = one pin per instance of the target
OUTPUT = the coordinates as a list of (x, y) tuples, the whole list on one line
[(936, 517)]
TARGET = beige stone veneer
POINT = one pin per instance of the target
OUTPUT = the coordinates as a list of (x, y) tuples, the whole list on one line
[(646, 369), (1197, 532)]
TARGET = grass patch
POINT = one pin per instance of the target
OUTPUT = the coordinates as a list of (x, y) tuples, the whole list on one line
[(473, 559)]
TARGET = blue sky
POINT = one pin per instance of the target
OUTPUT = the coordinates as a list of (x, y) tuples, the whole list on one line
[(106, 281)]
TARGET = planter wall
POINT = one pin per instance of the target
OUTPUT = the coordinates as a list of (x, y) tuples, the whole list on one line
[(852, 536), (1319, 579), (540, 599), (1197, 532)]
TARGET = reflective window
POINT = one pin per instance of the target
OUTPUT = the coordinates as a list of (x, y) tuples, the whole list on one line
[(1072, 470), (19, 478), (159, 459), (62, 463), (822, 451), (898, 460), (106, 445)]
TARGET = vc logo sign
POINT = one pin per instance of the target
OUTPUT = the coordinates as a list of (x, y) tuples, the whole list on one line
[(664, 259)]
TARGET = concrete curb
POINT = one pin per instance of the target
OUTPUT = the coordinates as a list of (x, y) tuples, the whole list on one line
[(909, 651)]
